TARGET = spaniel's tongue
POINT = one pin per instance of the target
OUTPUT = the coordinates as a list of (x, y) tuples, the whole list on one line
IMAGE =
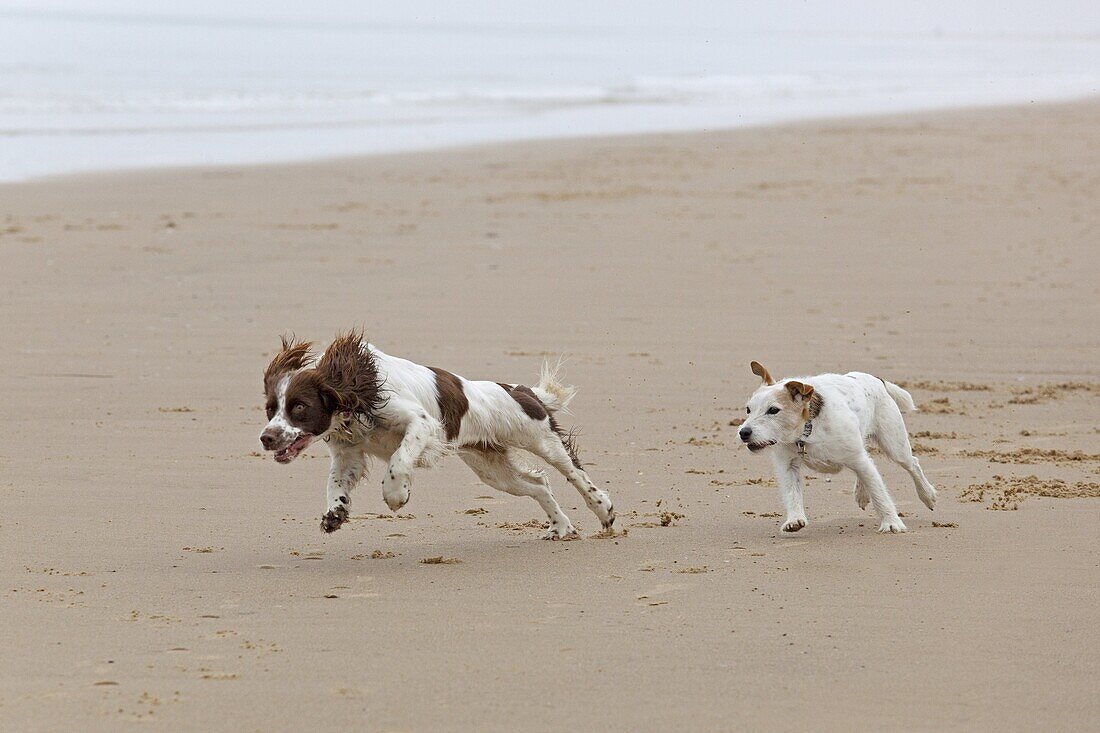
[(291, 451)]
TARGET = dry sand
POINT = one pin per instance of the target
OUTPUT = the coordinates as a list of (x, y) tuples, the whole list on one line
[(155, 568)]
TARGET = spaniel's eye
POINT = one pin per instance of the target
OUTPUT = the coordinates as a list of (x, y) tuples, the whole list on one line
[(773, 410), (270, 411), (298, 409)]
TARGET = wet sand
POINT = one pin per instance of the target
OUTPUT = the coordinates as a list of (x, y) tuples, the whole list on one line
[(155, 567)]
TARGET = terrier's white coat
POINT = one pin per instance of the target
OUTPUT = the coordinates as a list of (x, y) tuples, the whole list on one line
[(825, 423)]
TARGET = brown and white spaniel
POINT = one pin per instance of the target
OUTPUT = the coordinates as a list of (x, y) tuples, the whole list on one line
[(363, 403)]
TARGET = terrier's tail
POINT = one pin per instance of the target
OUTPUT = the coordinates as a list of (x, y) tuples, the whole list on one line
[(901, 397)]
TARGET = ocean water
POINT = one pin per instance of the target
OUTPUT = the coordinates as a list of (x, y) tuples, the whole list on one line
[(91, 85)]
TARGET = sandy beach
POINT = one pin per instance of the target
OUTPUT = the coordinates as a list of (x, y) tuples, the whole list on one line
[(155, 568)]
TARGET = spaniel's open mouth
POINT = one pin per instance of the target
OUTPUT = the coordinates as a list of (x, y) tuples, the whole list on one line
[(288, 454), (760, 446)]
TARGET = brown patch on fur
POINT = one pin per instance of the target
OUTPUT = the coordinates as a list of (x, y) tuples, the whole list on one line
[(309, 402), (801, 393), (799, 389), (815, 405), (759, 370), (532, 406), (349, 377), (293, 356), (453, 402)]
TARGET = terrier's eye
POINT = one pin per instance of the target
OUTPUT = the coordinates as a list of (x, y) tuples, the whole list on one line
[(748, 411), (773, 410)]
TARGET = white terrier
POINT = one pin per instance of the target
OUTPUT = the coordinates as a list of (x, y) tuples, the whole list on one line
[(825, 423)]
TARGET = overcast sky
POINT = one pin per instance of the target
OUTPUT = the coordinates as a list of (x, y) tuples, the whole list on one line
[(1074, 17)]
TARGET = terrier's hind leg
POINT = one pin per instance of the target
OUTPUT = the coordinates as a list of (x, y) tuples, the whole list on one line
[(495, 468), (863, 497), (925, 490), (894, 441)]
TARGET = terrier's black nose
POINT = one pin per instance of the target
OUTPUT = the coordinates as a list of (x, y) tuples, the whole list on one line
[(745, 433), (267, 440)]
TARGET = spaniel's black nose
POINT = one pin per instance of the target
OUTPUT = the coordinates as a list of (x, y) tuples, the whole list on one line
[(745, 433), (267, 440)]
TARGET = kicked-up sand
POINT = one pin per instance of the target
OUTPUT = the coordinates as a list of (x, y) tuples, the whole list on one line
[(156, 568)]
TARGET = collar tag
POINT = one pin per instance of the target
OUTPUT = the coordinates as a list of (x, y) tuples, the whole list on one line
[(806, 430)]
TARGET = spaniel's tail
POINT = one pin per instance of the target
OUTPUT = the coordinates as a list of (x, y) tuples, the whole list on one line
[(553, 394)]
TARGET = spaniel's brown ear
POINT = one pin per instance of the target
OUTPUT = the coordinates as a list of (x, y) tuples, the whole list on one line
[(293, 356), (330, 399), (294, 353), (759, 370), (349, 375), (799, 391)]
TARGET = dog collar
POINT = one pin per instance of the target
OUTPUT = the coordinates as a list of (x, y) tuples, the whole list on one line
[(806, 430)]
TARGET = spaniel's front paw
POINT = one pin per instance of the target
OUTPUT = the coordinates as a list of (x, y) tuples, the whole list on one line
[(334, 519), (396, 490)]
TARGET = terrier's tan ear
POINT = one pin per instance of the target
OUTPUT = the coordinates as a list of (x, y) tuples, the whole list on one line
[(799, 390), (759, 370)]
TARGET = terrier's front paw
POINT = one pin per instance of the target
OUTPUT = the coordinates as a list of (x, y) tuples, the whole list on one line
[(396, 490), (795, 524), (560, 532), (333, 519), (892, 526)]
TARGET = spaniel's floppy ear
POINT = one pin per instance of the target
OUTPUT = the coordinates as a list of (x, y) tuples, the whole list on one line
[(293, 355), (759, 370), (349, 376), (799, 392), (330, 398)]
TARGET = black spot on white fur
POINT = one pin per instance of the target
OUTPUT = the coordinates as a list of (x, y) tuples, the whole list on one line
[(334, 519)]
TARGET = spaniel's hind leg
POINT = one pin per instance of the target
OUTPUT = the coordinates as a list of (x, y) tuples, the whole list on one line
[(496, 468), (553, 448)]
